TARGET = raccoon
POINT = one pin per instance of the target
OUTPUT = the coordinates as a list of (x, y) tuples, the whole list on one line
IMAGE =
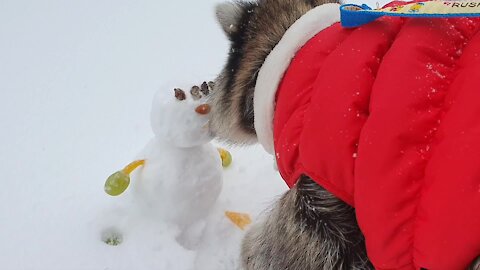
[(308, 228), (318, 230)]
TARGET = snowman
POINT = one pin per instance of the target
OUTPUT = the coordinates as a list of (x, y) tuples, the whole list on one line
[(179, 175)]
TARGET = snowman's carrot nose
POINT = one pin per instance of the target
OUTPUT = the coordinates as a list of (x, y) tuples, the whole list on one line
[(203, 109)]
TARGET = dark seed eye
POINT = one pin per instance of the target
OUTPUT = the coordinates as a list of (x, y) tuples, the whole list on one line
[(195, 91), (211, 85), (205, 89)]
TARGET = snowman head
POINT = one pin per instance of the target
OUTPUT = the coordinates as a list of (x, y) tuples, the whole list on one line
[(181, 117)]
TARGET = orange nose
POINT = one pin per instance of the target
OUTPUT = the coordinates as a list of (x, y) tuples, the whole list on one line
[(203, 109)]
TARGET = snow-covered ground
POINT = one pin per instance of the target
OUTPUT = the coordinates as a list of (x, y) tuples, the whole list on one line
[(76, 83)]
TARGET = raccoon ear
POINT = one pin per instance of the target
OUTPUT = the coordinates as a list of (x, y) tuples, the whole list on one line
[(228, 15)]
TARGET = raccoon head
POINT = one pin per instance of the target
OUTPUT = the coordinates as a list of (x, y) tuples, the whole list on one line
[(254, 29), (232, 98)]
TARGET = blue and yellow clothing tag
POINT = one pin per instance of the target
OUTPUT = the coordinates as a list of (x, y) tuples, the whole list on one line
[(355, 15)]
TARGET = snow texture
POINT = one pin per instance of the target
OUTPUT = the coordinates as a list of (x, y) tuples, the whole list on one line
[(76, 82)]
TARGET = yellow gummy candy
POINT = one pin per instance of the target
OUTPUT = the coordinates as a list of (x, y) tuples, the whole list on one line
[(226, 157)]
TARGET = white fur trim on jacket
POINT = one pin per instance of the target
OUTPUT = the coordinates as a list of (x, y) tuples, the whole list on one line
[(277, 62)]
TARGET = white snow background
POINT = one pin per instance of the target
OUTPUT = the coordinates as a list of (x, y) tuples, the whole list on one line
[(76, 83)]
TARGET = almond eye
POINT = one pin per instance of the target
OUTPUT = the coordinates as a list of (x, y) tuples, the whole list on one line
[(180, 94), (203, 109)]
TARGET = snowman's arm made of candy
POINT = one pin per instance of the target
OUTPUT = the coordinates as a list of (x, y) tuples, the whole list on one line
[(118, 182), (225, 156)]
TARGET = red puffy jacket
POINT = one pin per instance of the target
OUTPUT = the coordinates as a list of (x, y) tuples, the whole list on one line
[(387, 118)]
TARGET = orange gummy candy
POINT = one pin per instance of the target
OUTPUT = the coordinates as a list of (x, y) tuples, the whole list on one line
[(239, 219)]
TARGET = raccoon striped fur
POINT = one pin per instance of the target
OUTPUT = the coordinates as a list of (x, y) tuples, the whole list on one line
[(308, 228)]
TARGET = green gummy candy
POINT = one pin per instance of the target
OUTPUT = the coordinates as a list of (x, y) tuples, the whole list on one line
[(117, 183)]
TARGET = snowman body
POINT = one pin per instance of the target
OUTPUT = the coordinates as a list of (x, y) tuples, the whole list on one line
[(180, 185), (182, 176)]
